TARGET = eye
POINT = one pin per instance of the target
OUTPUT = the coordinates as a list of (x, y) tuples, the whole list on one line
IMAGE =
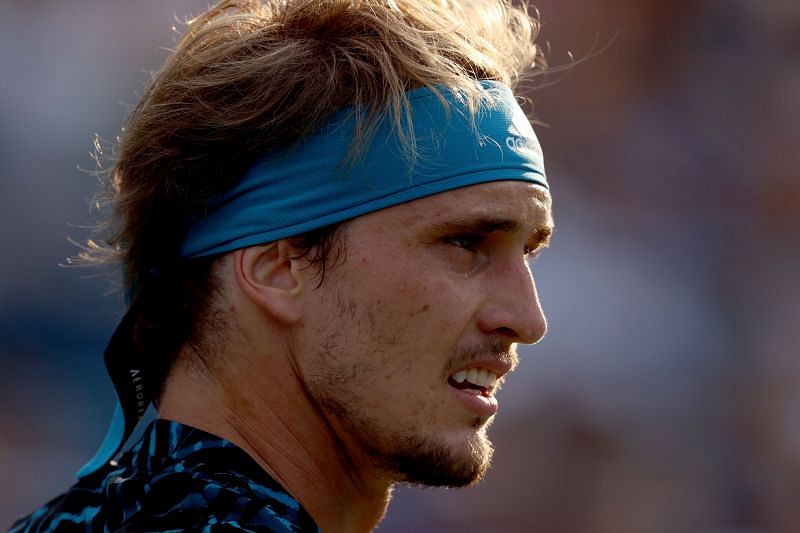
[(468, 241)]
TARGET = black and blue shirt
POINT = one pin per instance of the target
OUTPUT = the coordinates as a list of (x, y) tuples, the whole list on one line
[(176, 478)]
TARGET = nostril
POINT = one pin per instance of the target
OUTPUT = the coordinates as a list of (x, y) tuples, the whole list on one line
[(507, 331)]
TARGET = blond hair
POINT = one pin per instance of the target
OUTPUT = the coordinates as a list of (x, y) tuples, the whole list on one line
[(248, 77)]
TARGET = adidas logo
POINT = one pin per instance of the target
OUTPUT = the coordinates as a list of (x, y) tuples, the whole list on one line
[(520, 143), (522, 137)]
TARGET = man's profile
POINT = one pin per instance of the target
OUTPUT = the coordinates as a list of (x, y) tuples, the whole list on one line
[(325, 212)]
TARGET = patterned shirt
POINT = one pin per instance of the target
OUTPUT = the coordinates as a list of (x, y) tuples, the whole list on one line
[(176, 478)]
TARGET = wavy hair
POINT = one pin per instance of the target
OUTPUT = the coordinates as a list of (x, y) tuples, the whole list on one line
[(248, 77)]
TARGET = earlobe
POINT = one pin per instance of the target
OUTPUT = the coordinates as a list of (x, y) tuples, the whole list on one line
[(268, 276)]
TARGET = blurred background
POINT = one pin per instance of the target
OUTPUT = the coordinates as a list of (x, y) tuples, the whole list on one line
[(666, 396)]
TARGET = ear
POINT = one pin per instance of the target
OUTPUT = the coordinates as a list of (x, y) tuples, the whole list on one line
[(269, 276)]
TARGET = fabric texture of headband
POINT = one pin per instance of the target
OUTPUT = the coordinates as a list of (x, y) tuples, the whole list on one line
[(290, 192), (310, 186)]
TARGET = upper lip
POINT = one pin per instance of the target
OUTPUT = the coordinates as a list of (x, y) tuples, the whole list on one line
[(498, 366)]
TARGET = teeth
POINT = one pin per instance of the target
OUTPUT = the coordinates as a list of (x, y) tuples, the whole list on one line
[(489, 378), (477, 376), (460, 376)]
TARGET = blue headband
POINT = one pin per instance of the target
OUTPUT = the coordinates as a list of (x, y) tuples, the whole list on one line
[(293, 191)]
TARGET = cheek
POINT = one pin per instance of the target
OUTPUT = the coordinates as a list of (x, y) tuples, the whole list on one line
[(436, 303), (397, 314), (423, 319)]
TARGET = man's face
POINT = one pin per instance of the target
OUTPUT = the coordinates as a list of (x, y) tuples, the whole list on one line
[(402, 344)]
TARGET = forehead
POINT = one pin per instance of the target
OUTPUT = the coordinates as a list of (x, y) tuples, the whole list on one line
[(525, 203)]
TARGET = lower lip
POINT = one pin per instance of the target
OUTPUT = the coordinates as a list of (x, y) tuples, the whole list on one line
[(477, 404)]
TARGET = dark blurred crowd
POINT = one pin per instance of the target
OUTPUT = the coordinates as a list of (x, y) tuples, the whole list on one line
[(666, 396)]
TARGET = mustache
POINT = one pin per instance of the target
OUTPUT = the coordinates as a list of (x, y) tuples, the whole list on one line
[(494, 349)]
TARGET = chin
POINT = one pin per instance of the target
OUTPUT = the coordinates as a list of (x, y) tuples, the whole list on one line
[(437, 462)]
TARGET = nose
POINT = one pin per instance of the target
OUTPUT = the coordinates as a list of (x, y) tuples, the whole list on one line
[(512, 308)]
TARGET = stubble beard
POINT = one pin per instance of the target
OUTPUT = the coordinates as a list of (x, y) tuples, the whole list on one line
[(405, 454), (421, 461)]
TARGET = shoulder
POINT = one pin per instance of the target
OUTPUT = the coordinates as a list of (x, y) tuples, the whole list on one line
[(217, 502), (176, 478), (171, 501)]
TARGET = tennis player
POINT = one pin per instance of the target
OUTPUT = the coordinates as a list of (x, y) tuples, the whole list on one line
[(325, 212)]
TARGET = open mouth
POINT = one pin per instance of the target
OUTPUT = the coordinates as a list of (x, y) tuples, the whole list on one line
[(478, 381)]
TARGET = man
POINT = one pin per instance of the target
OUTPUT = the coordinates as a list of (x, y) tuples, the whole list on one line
[(325, 212)]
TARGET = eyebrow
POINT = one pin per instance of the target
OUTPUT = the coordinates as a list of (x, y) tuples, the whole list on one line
[(482, 225)]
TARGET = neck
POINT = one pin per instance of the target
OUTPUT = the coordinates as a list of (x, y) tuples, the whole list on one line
[(275, 421)]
